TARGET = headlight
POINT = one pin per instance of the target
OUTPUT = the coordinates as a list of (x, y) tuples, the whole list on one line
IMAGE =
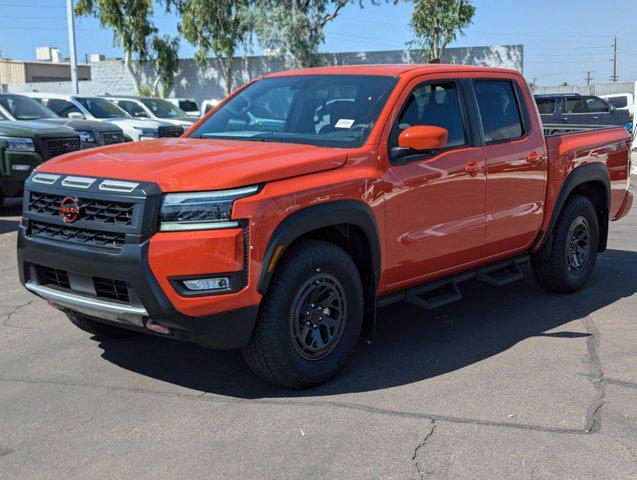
[(20, 144), (86, 136), (201, 210), (149, 132)]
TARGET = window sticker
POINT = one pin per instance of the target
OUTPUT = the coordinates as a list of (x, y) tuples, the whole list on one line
[(344, 123)]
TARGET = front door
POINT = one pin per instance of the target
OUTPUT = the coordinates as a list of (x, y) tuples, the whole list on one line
[(516, 166), (434, 201)]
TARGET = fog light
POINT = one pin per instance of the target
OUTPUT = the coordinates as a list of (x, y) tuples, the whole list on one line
[(199, 284)]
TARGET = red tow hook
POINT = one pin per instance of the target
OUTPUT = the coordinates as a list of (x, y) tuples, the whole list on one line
[(155, 327)]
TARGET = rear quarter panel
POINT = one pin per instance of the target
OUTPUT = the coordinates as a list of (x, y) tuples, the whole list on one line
[(608, 147)]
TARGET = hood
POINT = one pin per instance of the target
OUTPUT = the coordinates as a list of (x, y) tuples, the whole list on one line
[(78, 124), (185, 164), (134, 122), (27, 129)]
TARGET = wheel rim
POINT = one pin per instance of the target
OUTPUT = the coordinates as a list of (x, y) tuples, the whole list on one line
[(318, 316), (579, 245)]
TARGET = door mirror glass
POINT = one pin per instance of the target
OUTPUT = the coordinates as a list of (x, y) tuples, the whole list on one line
[(423, 137), (75, 115)]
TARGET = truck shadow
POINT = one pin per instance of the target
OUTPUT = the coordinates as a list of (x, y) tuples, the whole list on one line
[(410, 345), (12, 208)]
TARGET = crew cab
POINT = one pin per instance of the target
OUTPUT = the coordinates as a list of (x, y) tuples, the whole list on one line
[(283, 219)]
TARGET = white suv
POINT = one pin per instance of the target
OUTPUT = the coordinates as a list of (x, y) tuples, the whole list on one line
[(96, 108), (154, 108)]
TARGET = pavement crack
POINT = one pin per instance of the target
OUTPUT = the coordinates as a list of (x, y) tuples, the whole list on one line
[(422, 474), (9, 316), (594, 410)]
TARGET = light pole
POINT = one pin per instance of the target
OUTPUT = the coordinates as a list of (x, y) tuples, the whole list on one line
[(71, 28)]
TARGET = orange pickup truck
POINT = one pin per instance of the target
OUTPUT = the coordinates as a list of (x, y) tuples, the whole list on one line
[(280, 222)]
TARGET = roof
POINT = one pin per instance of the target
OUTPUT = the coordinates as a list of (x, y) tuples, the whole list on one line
[(387, 69)]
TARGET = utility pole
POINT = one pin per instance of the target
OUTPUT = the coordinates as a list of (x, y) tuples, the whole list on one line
[(589, 76), (614, 76), (71, 28)]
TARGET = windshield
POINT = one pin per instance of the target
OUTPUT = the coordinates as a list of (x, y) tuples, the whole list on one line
[(100, 108), (162, 108), (322, 110), (25, 108)]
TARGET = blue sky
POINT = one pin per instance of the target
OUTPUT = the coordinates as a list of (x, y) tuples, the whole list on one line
[(562, 39)]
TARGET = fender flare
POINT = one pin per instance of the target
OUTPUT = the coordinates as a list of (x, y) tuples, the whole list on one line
[(593, 172), (318, 216)]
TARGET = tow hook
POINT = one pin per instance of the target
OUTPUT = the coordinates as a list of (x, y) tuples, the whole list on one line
[(155, 327)]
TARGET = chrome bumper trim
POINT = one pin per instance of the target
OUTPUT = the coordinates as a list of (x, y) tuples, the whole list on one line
[(86, 304)]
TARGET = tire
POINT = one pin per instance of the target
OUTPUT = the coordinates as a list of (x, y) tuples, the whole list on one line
[(297, 343), (559, 271), (100, 330)]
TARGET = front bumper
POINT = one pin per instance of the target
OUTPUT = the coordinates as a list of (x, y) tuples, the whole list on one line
[(224, 330)]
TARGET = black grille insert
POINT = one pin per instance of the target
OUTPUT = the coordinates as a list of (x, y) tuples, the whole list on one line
[(101, 211), (111, 289), (171, 131), (77, 235), (59, 146), (53, 276), (110, 138)]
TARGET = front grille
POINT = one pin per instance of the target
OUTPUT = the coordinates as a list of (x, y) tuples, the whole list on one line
[(53, 276), (76, 235), (171, 131), (100, 211), (111, 289), (110, 138), (59, 146)]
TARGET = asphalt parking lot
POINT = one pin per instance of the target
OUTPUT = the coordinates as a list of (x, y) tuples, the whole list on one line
[(510, 383)]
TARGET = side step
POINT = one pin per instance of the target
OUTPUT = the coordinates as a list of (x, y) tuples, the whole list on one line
[(442, 292)]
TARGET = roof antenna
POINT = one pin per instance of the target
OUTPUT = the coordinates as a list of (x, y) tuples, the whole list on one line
[(435, 60)]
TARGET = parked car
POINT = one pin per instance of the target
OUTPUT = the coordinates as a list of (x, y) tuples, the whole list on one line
[(622, 101), (92, 134), (154, 108), (278, 225), (576, 109), (188, 105), (24, 146), (100, 109)]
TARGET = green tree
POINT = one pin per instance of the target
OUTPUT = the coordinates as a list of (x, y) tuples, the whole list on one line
[(215, 27), (437, 23), (134, 31), (295, 27)]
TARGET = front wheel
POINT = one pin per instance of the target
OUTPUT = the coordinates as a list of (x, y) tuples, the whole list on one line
[(310, 319), (573, 249)]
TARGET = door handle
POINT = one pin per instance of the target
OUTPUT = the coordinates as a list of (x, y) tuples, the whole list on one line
[(535, 159), (473, 168)]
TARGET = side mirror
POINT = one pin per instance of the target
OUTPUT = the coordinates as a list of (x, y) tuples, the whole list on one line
[(75, 116), (420, 138), (140, 115)]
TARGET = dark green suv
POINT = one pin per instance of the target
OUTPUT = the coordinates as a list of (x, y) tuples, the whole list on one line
[(25, 145)]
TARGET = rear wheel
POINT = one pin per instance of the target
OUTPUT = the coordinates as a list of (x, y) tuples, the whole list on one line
[(573, 248), (100, 330), (310, 319)]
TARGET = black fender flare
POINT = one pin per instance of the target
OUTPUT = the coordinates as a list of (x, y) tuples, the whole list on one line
[(593, 172), (327, 214)]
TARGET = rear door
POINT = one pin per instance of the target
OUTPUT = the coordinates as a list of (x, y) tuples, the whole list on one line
[(575, 111), (516, 165)]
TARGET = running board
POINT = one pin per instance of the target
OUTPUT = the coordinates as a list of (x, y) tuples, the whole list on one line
[(442, 292)]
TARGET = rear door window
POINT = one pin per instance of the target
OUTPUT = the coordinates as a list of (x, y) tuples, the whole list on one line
[(546, 106), (499, 110), (434, 104), (574, 105)]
